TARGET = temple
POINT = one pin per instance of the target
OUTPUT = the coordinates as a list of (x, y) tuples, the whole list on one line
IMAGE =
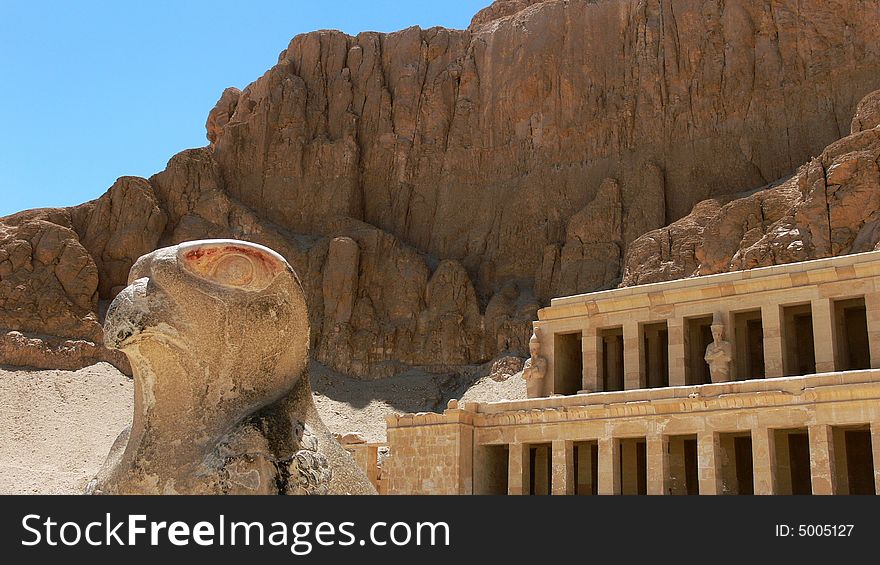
[(763, 381)]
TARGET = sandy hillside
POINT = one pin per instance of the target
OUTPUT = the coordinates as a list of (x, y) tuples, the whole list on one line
[(56, 427)]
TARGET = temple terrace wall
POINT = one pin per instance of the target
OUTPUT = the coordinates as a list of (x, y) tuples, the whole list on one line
[(788, 320), (628, 404)]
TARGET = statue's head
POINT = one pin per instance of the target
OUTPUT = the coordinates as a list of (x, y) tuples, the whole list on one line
[(717, 326), (219, 324), (535, 343)]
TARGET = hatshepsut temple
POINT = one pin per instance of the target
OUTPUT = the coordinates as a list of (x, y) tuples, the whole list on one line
[(765, 381)]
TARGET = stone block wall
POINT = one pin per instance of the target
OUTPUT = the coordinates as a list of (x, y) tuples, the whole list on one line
[(430, 453)]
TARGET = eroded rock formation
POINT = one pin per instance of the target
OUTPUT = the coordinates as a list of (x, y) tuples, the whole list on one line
[(830, 206), (434, 187)]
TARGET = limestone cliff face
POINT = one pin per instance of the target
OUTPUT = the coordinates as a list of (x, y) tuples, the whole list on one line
[(433, 187), (830, 206)]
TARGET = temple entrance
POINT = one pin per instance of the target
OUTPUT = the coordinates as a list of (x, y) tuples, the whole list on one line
[(737, 475), (612, 359), (749, 345), (490, 469), (633, 466), (586, 468), (792, 462), (569, 363), (851, 329), (854, 460), (683, 467), (655, 352), (697, 337), (540, 471), (799, 353)]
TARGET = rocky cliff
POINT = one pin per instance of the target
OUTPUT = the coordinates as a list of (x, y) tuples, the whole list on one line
[(434, 187), (830, 206)]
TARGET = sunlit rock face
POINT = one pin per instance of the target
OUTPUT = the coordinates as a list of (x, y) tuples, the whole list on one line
[(434, 187)]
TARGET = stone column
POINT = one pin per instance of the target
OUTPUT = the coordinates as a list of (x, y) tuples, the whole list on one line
[(614, 376), (518, 469), (709, 462), (822, 460), (591, 349), (677, 352), (584, 456), (677, 477), (875, 446), (563, 480), (840, 465), (729, 480), (783, 465), (764, 461), (658, 464), (823, 334), (548, 352), (609, 466), (543, 474), (771, 321), (629, 468), (872, 307), (633, 371)]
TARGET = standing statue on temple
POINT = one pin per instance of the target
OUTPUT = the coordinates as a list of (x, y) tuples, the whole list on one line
[(719, 353), (535, 368)]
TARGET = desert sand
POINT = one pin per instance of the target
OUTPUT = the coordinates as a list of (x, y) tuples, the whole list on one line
[(56, 427)]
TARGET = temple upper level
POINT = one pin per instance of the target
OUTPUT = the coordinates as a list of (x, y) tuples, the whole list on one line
[(755, 382), (798, 319)]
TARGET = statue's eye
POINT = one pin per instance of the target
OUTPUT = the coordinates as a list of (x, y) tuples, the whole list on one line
[(233, 264), (233, 270)]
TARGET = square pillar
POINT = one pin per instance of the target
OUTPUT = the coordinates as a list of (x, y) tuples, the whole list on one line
[(518, 469), (584, 455), (823, 334), (709, 462), (629, 468), (591, 349), (548, 352), (783, 465), (677, 476), (633, 371), (875, 447), (764, 461), (562, 460), (840, 466), (872, 311), (658, 464), (771, 321), (677, 354), (543, 477), (609, 466), (822, 459), (729, 479)]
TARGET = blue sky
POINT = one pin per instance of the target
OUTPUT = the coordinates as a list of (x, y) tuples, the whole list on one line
[(92, 91)]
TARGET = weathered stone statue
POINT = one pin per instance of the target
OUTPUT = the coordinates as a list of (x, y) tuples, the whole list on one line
[(535, 368), (217, 334), (719, 353)]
